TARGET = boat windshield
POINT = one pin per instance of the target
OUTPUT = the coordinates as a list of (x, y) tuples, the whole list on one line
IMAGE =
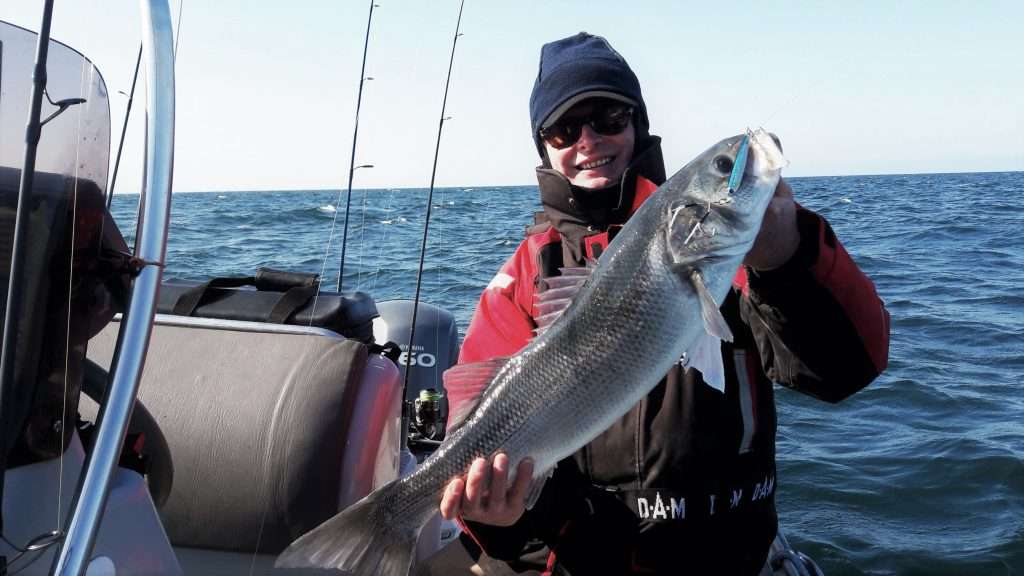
[(65, 220), (75, 143)]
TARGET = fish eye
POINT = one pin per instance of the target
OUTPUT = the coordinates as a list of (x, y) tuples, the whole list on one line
[(723, 164)]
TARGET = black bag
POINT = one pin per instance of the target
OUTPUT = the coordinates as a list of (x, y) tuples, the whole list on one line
[(275, 297)]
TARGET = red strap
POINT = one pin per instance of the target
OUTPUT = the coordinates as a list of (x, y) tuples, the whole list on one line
[(644, 189), (465, 529), (739, 281), (595, 245)]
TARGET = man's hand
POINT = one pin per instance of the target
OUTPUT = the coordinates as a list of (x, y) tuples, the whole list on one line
[(779, 237), (484, 496)]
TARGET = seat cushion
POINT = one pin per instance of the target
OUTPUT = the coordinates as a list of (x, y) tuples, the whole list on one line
[(256, 423)]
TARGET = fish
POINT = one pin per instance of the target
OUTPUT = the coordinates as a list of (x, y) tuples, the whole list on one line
[(607, 334)]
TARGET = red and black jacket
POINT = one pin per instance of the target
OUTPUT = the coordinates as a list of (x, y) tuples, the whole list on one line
[(685, 481)]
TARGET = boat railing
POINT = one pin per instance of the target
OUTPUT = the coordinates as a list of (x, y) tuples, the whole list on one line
[(158, 52)]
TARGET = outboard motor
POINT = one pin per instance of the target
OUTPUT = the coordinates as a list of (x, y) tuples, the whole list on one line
[(434, 350)]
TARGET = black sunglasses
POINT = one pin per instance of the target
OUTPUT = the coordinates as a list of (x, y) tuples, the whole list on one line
[(607, 119)]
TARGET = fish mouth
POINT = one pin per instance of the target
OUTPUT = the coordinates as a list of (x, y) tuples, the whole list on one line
[(595, 164), (767, 156)]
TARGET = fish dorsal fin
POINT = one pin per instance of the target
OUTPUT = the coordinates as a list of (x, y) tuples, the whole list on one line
[(556, 282), (561, 290), (714, 323), (583, 271), (465, 384)]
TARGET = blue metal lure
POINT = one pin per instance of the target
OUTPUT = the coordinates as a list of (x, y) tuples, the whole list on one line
[(740, 165)]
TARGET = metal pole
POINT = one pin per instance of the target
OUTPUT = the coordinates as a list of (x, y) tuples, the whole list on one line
[(158, 48)]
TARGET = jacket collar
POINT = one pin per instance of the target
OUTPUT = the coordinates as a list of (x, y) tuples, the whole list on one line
[(576, 212)]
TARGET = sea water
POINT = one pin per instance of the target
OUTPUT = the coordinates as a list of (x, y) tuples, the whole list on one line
[(922, 472)]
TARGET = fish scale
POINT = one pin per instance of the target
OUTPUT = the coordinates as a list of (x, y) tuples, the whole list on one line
[(637, 313)]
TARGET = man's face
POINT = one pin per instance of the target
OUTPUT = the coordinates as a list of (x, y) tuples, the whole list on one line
[(595, 160)]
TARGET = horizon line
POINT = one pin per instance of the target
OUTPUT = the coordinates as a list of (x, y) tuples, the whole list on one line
[(465, 186)]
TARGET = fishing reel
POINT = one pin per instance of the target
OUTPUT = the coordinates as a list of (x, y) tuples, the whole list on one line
[(426, 419)]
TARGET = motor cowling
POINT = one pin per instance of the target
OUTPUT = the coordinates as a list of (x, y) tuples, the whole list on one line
[(435, 348)]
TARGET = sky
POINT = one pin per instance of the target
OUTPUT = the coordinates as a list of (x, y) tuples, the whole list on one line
[(266, 91)]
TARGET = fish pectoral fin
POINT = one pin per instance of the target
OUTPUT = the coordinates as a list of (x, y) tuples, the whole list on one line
[(464, 384), (705, 356), (714, 323)]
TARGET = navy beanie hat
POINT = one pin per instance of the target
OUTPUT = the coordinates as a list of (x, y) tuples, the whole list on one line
[(576, 68)]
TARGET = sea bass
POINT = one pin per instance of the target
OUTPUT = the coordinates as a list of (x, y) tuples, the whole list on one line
[(607, 334)]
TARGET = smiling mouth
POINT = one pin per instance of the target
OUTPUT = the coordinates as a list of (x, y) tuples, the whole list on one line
[(595, 163)]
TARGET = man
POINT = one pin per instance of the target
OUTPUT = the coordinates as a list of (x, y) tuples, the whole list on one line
[(684, 482)]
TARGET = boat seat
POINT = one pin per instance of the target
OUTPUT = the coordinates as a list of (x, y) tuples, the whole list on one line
[(272, 429)]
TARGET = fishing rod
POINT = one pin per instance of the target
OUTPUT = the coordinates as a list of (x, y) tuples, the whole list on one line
[(124, 128), (19, 249), (131, 98), (426, 225), (352, 161), (177, 29)]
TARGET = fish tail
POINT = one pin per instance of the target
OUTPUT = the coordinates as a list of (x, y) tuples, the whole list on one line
[(362, 539)]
